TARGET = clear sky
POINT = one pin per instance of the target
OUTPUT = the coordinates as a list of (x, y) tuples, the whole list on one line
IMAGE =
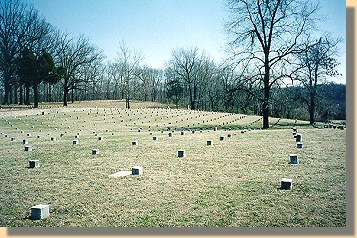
[(156, 27)]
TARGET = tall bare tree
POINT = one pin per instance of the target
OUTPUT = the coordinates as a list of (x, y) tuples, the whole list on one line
[(113, 83), (184, 63), (265, 34), (72, 54), (317, 63), (127, 64), (90, 75)]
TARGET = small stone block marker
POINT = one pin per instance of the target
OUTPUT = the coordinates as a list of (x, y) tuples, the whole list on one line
[(299, 145), (34, 163), (294, 159), (25, 142), (286, 183), (298, 137), (137, 170), (181, 153), (182, 133), (221, 138), (134, 142), (95, 151), (75, 142), (40, 211), (154, 138), (28, 148), (209, 142)]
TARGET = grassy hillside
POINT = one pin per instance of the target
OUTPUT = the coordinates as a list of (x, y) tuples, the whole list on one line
[(235, 182)]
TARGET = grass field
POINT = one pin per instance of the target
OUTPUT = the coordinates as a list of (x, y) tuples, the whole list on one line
[(234, 183)]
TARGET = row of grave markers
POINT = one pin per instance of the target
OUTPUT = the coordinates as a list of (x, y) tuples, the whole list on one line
[(287, 183)]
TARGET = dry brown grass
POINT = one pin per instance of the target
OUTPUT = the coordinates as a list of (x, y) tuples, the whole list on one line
[(233, 183)]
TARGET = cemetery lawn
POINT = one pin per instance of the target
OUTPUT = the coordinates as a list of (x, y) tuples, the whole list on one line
[(234, 183)]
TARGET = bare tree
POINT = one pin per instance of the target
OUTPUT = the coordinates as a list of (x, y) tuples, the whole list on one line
[(184, 63), (71, 55), (317, 63), (89, 76), (127, 64), (206, 77), (266, 34), (149, 80), (113, 83)]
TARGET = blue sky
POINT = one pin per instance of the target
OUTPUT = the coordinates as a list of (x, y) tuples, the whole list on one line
[(156, 27)]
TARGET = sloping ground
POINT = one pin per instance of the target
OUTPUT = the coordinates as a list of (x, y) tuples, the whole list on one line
[(235, 182)]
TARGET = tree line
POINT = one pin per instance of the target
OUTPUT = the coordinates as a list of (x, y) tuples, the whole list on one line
[(276, 66)]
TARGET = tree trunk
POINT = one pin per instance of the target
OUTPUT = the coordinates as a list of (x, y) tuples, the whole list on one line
[(49, 93), (65, 97), (11, 95), (266, 94), (7, 89), (192, 105), (312, 112), (65, 92), (312, 106), (35, 95), (21, 95), (16, 98), (176, 101), (27, 95), (195, 103), (72, 95), (127, 104)]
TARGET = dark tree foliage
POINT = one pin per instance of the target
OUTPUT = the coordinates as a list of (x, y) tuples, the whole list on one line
[(33, 70), (27, 71), (175, 90), (289, 102)]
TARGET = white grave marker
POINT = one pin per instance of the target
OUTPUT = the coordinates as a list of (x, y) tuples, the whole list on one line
[(40, 211), (34, 163), (28, 148), (294, 159), (137, 170), (286, 183)]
